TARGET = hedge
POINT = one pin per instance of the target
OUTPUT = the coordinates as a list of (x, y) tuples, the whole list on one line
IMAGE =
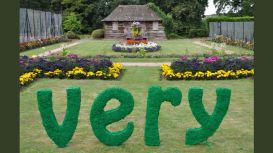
[(229, 19), (209, 123), (198, 33), (98, 34)]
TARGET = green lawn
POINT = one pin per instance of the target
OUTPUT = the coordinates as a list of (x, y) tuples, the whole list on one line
[(40, 50), (178, 46), (236, 133)]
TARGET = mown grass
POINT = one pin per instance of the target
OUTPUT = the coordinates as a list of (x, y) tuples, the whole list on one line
[(177, 46), (235, 133)]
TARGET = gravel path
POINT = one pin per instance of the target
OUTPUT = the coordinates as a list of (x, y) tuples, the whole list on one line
[(144, 64), (61, 48)]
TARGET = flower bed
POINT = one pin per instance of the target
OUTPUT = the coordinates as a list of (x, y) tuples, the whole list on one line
[(229, 41), (67, 68), (41, 42), (124, 47), (209, 68)]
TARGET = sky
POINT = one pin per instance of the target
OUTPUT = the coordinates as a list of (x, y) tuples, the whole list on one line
[(211, 8)]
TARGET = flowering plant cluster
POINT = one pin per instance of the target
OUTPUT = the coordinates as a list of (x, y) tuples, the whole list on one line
[(69, 68), (136, 29), (229, 41), (209, 68), (148, 47), (41, 42)]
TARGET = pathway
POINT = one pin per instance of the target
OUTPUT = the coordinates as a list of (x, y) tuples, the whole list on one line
[(61, 48), (200, 43), (148, 64)]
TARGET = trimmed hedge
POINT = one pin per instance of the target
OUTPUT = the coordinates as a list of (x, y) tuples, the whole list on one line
[(209, 123), (72, 35), (99, 118), (229, 19), (156, 96), (60, 134), (198, 33), (97, 34)]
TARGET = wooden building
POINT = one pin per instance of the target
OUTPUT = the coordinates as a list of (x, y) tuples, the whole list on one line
[(117, 25)]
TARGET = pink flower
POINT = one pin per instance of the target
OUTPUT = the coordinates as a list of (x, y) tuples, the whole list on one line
[(211, 59)]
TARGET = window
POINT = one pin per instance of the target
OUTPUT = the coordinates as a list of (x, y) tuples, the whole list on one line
[(155, 25), (115, 25)]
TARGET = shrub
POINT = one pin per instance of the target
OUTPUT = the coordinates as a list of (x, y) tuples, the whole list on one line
[(173, 36), (167, 20), (198, 33), (72, 35), (98, 33), (71, 23)]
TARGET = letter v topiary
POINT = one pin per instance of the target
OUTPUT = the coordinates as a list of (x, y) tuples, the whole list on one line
[(62, 134), (155, 98), (209, 123), (99, 118)]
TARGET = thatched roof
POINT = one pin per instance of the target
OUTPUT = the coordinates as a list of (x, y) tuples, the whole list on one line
[(132, 13)]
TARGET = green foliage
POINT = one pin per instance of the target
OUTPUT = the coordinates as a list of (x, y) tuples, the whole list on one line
[(60, 134), (229, 19), (72, 35), (209, 123), (166, 19), (98, 33), (99, 118), (71, 23), (241, 7), (155, 98), (174, 36), (198, 33)]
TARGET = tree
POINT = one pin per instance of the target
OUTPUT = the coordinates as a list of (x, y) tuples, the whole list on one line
[(235, 7), (71, 23)]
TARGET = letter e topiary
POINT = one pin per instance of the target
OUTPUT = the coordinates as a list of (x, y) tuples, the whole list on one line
[(100, 119)]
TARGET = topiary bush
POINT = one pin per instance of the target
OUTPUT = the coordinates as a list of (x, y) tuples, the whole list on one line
[(156, 96), (99, 118), (98, 34), (209, 123), (198, 33), (72, 35), (60, 134)]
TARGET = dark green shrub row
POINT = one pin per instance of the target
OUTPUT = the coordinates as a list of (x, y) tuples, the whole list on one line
[(230, 19), (174, 36), (72, 35), (198, 33), (98, 33)]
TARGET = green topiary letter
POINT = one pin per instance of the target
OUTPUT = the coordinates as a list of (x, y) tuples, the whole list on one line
[(100, 119), (62, 134), (209, 123), (155, 98)]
